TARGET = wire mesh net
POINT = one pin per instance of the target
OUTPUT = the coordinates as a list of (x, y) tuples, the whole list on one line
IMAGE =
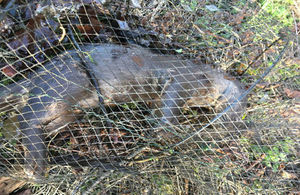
[(147, 97)]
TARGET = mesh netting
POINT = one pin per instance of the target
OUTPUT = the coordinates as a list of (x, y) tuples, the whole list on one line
[(151, 97)]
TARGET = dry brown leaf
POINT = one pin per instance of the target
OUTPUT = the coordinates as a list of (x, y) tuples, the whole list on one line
[(208, 159), (267, 86), (292, 93), (289, 113), (90, 29), (241, 68), (260, 172), (288, 175), (9, 71), (293, 61), (247, 36), (262, 85), (220, 151), (238, 19)]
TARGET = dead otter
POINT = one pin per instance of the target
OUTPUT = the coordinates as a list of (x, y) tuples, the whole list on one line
[(125, 74)]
